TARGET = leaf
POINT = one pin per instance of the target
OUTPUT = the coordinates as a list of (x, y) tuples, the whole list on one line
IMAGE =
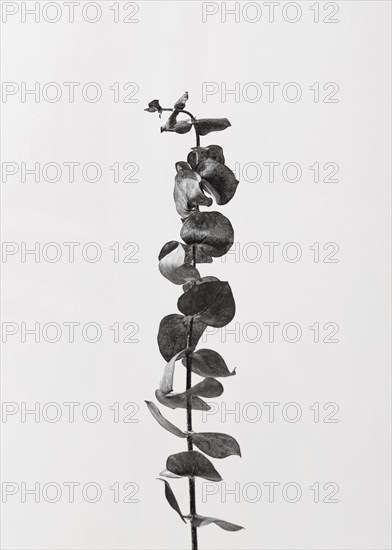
[(166, 383), (156, 413), (192, 464), (171, 499), (181, 165), (180, 103), (172, 125), (206, 362), (198, 154), (211, 232), (174, 266), (173, 332), (201, 521), (154, 106), (188, 193), (216, 445), (206, 125), (212, 303), (209, 387), (218, 180), (179, 401)]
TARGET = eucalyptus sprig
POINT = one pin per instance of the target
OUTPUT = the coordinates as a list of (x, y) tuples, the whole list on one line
[(206, 301)]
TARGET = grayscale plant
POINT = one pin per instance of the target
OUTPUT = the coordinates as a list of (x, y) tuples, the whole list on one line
[(206, 301)]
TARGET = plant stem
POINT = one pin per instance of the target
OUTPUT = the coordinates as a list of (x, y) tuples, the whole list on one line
[(192, 491)]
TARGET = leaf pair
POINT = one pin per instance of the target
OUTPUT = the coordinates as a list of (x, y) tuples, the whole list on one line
[(197, 520), (216, 445), (209, 303), (211, 233), (209, 387)]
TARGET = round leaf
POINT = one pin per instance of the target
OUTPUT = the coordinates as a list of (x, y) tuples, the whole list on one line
[(212, 303), (173, 332), (211, 232)]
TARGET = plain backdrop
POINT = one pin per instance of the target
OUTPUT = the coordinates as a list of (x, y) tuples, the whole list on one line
[(169, 50)]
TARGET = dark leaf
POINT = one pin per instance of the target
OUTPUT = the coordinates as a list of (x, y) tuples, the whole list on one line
[(209, 387), (206, 362), (173, 331), (154, 107), (188, 193), (216, 445), (201, 521), (206, 125), (156, 413), (212, 303), (211, 232), (192, 464), (218, 180), (179, 401), (171, 499), (173, 264), (180, 103), (198, 154)]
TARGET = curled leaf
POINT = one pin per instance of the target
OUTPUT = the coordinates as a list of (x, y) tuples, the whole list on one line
[(201, 521), (173, 333), (212, 303), (211, 232), (206, 125), (216, 445), (154, 107), (166, 383), (171, 499), (173, 264), (180, 103), (188, 193), (198, 154), (206, 362), (156, 413), (180, 400), (172, 125), (192, 464), (218, 180)]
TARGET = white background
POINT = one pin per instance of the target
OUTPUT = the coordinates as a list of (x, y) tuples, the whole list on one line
[(167, 51)]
